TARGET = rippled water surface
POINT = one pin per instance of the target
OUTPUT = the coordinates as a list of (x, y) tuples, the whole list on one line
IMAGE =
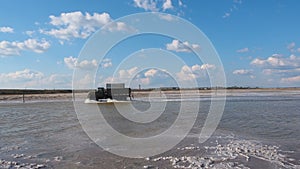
[(49, 135)]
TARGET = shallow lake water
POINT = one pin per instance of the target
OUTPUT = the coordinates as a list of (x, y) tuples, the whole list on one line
[(257, 130)]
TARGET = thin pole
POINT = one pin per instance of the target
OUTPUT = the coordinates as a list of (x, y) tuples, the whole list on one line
[(23, 97)]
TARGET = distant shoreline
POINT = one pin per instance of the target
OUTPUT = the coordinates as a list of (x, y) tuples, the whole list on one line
[(67, 95), (205, 89)]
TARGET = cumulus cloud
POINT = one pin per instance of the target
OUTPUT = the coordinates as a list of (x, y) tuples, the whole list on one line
[(25, 74), (291, 79), (282, 72), (147, 5), (34, 79), (134, 76), (118, 26), (36, 46), (57, 81), (178, 46), (206, 66), (244, 72), (167, 17), (106, 63), (156, 5), (243, 50), (155, 77), (129, 73), (291, 46), (78, 25), (73, 63), (167, 5), (277, 61), (6, 29), (189, 73), (14, 48), (180, 3), (286, 68), (123, 75), (30, 33), (151, 72)]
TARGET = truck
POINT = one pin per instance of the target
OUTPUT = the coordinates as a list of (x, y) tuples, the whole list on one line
[(112, 92)]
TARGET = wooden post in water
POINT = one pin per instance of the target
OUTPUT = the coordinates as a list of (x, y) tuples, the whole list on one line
[(23, 97)]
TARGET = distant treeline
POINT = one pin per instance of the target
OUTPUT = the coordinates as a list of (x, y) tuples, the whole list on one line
[(31, 91), (196, 88), (57, 91)]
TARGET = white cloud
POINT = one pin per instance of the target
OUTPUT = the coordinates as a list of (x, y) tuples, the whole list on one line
[(25, 74), (6, 29), (167, 17), (277, 61), (147, 5), (158, 77), (128, 73), (73, 63), (207, 66), (186, 74), (243, 50), (285, 68), (281, 71), (29, 33), (291, 79), (234, 7), (158, 5), (226, 15), (118, 26), (258, 61), (178, 46), (194, 72), (167, 5), (291, 46), (133, 76), (86, 64), (70, 62), (14, 48), (57, 81), (34, 79), (76, 25), (106, 63), (36, 46), (243, 72), (85, 82), (151, 72), (154, 77), (180, 3), (123, 75)]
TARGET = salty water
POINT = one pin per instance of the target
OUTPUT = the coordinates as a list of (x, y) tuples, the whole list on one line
[(47, 134)]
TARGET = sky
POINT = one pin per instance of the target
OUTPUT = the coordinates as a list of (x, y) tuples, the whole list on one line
[(258, 43)]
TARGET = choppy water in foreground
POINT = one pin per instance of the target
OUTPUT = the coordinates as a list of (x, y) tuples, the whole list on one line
[(258, 130)]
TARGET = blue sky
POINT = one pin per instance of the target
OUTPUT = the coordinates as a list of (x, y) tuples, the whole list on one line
[(258, 42)]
